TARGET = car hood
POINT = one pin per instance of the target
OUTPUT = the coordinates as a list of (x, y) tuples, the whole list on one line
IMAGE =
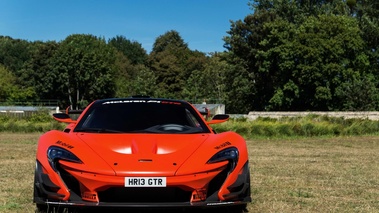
[(144, 154)]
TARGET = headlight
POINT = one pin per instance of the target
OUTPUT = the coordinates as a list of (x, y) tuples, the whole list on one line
[(55, 153), (229, 154)]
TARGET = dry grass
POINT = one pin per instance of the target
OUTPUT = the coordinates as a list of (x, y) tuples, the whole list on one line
[(315, 175), (302, 175), (17, 163)]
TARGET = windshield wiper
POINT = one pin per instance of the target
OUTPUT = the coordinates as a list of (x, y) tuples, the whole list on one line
[(98, 130)]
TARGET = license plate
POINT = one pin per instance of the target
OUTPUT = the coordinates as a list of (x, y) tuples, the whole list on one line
[(145, 182)]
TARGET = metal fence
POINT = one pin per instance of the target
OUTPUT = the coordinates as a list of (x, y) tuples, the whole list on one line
[(20, 112), (206, 101), (43, 102)]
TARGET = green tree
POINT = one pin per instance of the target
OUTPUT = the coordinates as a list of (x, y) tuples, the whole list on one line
[(308, 62), (134, 79), (359, 93), (367, 14), (131, 49), (208, 83), (240, 89), (85, 65), (168, 61), (12, 93), (144, 82), (7, 83), (14, 53), (249, 83), (39, 73), (299, 61)]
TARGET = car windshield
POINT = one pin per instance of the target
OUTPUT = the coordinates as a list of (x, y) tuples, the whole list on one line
[(133, 116)]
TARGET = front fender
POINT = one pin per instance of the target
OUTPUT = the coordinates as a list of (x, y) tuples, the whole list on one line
[(197, 163)]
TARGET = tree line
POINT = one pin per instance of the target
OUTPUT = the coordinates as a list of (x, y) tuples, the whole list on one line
[(290, 55)]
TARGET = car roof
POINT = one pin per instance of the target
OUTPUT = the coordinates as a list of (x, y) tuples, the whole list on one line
[(137, 99)]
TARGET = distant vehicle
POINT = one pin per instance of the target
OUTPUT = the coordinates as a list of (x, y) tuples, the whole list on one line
[(141, 152)]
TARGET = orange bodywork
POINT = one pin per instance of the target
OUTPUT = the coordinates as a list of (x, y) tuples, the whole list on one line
[(106, 161)]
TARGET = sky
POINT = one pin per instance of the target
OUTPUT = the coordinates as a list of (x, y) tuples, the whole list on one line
[(201, 23)]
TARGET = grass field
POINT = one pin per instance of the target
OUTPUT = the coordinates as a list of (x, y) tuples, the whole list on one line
[(301, 175)]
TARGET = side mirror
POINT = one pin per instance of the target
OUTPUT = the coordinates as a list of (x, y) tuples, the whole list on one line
[(220, 118), (63, 117)]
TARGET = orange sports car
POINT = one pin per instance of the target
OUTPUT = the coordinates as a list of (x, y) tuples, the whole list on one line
[(141, 152)]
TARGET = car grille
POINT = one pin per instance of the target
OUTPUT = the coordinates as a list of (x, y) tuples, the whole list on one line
[(70, 182), (215, 185), (142, 194)]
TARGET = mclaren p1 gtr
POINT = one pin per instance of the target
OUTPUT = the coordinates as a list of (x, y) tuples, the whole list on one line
[(141, 152)]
